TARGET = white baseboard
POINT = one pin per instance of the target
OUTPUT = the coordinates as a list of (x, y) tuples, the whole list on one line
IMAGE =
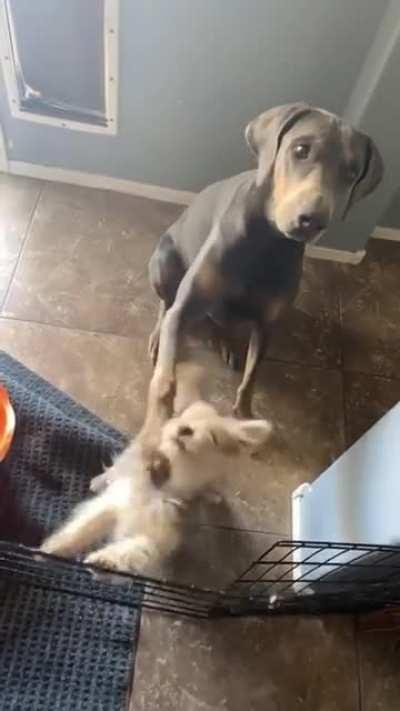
[(335, 255), (338, 255), (390, 233), (180, 197), (105, 182)]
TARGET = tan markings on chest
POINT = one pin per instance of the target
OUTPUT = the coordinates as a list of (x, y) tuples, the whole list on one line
[(274, 309), (210, 282)]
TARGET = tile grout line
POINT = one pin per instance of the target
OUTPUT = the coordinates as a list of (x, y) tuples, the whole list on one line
[(343, 373), (23, 244), (344, 407), (358, 663), (233, 529), (277, 361), (340, 313), (99, 332), (63, 327)]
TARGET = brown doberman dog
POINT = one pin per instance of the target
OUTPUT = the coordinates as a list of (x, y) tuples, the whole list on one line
[(236, 253)]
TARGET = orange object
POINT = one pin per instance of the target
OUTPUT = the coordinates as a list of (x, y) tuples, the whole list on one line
[(7, 423)]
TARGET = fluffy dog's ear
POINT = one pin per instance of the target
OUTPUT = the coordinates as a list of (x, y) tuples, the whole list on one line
[(251, 434)]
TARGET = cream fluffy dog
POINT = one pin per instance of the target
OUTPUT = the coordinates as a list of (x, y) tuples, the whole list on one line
[(142, 507)]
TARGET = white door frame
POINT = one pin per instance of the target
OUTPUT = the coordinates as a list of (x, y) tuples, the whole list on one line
[(8, 54), (3, 152)]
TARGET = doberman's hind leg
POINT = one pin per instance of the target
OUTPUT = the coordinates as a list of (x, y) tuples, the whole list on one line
[(229, 354), (259, 339), (255, 352), (166, 270), (224, 344)]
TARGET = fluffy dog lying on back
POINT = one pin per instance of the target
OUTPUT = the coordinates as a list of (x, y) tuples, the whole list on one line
[(143, 500)]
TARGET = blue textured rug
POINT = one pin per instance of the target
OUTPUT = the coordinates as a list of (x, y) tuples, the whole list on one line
[(67, 640)]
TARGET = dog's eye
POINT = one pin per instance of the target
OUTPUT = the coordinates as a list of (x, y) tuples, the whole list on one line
[(185, 431), (302, 151)]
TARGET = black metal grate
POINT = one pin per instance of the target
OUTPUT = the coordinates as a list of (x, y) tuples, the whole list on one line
[(290, 577), (57, 575), (318, 578)]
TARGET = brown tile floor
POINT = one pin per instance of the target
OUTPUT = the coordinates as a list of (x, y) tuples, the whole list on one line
[(76, 307)]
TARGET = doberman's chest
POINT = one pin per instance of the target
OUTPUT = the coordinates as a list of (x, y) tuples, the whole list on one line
[(256, 273)]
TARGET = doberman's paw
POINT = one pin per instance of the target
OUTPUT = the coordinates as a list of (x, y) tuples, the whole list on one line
[(242, 408)]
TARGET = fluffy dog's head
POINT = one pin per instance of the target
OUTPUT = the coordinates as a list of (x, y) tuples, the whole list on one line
[(195, 446)]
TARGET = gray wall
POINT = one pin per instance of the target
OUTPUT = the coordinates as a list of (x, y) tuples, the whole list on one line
[(391, 218), (374, 105), (192, 73)]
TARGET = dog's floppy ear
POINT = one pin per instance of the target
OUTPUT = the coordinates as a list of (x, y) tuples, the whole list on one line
[(264, 135), (253, 433), (235, 434), (371, 174)]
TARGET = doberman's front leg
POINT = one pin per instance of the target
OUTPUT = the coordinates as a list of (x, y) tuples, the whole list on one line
[(200, 286), (154, 339), (166, 271)]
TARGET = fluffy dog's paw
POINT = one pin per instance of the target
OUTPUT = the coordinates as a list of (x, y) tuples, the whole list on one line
[(47, 547), (99, 483), (56, 544), (103, 559)]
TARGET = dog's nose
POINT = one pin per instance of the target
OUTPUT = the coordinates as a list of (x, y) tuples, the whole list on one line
[(310, 224), (159, 469)]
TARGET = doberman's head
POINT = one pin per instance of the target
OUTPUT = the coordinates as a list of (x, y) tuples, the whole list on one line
[(314, 166)]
